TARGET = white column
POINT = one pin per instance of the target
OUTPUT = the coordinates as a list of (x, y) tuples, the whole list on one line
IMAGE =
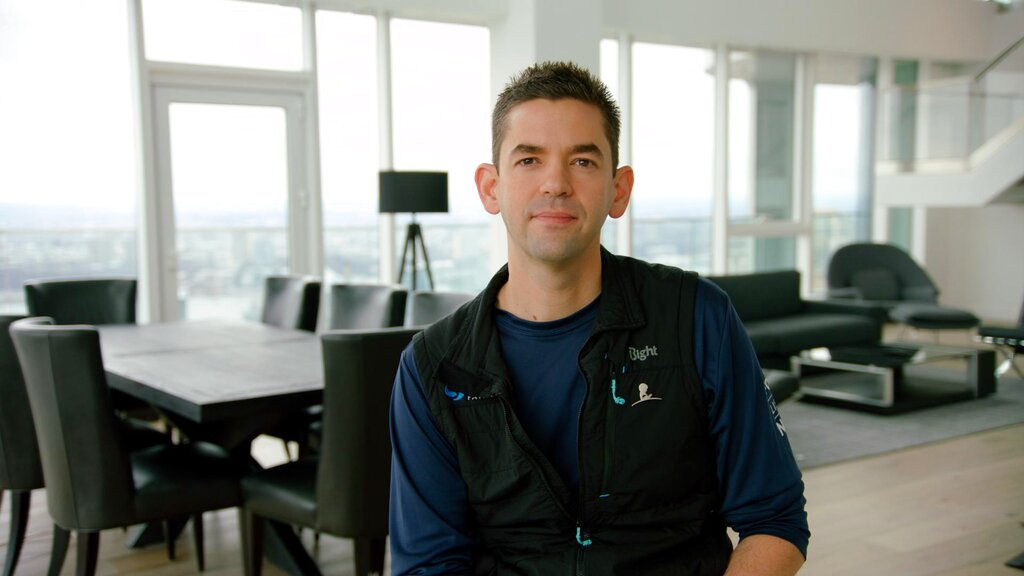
[(720, 206), (534, 31), (310, 260), (149, 252), (803, 158), (386, 222), (624, 225)]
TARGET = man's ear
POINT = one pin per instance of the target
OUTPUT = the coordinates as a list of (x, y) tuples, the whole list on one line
[(623, 189), (486, 186)]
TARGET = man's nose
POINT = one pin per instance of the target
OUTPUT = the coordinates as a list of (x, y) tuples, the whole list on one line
[(556, 181)]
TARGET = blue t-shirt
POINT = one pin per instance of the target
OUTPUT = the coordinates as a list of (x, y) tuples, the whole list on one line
[(431, 524)]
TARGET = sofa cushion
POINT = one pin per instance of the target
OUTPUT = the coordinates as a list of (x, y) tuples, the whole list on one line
[(876, 284), (764, 337), (805, 331), (763, 294)]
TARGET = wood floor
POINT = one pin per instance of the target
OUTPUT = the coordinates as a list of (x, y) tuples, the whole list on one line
[(953, 508)]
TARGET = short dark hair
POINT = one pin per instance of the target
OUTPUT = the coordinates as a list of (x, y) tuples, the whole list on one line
[(555, 81)]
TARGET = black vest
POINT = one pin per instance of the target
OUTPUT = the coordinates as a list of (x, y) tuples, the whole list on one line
[(648, 498)]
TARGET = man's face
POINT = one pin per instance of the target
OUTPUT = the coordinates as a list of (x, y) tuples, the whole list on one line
[(554, 185)]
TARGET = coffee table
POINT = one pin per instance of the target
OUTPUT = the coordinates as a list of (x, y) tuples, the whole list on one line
[(892, 378)]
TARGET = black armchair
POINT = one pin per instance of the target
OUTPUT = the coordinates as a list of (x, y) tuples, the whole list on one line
[(886, 277), (345, 490), (291, 302), (425, 308), (365, 306), (94, 480)]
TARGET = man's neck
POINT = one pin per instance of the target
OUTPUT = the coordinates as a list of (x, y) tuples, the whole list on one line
[(543, 293)]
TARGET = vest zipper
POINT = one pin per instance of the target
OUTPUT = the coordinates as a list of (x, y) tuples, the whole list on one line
[(579, 561), (609, 429)]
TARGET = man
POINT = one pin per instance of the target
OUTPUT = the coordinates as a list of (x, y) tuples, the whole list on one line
[(586, 413)]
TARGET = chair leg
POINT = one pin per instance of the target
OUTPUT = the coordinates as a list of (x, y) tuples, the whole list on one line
[(197, 536), (88, 552), (369, 556), (59, 549), (252, 543), (169, 539), (20, 501)]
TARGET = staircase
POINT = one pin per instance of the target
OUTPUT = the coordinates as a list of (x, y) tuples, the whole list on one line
[(955, 143)]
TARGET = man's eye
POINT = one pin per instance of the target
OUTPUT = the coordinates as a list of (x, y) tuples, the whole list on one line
[(527, 161), (583, 162)]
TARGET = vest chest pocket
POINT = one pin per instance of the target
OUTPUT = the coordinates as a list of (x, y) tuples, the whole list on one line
[(652, 434), (483, 442)]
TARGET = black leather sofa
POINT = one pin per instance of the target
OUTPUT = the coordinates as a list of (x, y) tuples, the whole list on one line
[(781, 324)]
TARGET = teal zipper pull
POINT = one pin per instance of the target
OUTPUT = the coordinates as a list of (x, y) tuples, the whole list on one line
[(615, 397), (581, 537)]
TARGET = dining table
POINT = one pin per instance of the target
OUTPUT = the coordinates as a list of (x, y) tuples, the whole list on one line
[(223, 382)]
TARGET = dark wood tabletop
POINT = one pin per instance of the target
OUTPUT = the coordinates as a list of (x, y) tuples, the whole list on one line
[(213, 371)]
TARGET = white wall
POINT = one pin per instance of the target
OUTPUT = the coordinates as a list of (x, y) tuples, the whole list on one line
[(973, 254)]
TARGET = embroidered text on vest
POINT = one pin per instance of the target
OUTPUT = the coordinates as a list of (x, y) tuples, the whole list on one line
[(641, 354)]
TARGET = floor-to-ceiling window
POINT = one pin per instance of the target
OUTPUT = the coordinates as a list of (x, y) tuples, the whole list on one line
[(230, 150), (440, 86), (67, 163), (762, 143), (349, 145), (843, 157), (673, 154)]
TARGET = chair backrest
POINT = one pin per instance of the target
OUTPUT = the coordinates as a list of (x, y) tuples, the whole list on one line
[(880, 272), (19, 451), (353, 478), (291, 302), (83, 300), (86, 467), (365, 306), (428, 307)]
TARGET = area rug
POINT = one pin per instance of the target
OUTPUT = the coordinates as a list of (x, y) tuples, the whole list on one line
[(823, 435)]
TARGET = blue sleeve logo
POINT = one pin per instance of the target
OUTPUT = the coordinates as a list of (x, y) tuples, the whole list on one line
[(455, 396)]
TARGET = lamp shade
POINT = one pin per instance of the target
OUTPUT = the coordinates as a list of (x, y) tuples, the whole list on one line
[(413, 192)]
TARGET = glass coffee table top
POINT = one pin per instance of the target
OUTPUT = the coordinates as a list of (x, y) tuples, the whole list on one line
[(894, 377)]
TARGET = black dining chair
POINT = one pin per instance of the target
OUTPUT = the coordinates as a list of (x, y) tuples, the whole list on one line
[(83, 300), (353, 307), (365, 306), (92, 301), (20, 470), (291, 301), (94, 481), (428, 307), (343, 491)]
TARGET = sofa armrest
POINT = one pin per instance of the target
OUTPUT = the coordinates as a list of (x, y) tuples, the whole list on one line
[(858, 307)]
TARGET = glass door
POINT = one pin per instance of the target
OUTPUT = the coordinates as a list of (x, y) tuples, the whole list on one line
[(229, 168)]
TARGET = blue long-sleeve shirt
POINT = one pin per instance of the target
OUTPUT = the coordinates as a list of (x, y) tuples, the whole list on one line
[(431, 525)]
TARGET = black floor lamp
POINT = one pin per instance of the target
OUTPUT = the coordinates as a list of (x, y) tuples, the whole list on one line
[(413, 192)]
